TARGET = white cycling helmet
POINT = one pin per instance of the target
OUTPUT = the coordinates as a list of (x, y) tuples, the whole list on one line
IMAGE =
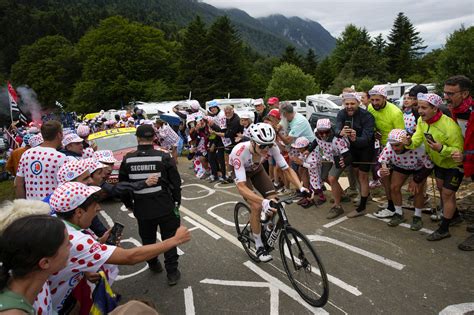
[(262, 133)]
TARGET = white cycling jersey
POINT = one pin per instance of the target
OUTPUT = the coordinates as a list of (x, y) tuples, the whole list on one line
[(241, 159)]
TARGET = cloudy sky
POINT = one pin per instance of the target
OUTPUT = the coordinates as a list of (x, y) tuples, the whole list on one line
[(434, 19)]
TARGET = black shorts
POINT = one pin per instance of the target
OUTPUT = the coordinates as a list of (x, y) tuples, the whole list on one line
[(364, 155), (261, 181), (404, 171), (451, 177)]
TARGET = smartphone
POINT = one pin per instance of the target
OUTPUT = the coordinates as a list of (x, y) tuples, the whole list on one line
[(115, 234), (348, 123), (429, 137)]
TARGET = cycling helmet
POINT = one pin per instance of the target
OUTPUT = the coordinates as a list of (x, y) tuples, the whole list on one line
[(262, 133)]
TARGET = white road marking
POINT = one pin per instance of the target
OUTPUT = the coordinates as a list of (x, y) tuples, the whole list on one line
[(202, 227), (230, 193), (193, 228), (218, 186), (405, 225), (137, 244), (231, 238), (275, 282), (458, 309), (332, 223), (189, 301), (209, 190), (107, 218), (123, 208), (360, 251), (221, 219)]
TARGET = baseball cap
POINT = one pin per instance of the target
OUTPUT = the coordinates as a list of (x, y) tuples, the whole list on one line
[(273, 100), (275, 113), (70, 195), (71, 138), (145, 131), (70, 171), (105, 156)]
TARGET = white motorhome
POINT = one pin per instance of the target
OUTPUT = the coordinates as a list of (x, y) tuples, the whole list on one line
[(322, 103), (239, 104), (396, 90)]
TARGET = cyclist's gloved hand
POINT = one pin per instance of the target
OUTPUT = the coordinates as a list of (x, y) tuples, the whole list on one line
[(305, 192), (267, 209)]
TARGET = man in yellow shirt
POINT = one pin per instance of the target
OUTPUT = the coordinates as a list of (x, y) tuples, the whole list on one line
[(387, 117), (442, 137)]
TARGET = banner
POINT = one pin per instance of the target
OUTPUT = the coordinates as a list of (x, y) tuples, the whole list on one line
[(13, 97)]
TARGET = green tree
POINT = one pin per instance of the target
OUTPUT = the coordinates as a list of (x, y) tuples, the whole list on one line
[(226, 69), (365, 84), (310, 63), (351, 39), (50, 67), (404, 47), (192, 59), (291, 56), (457, 56), (289, 82), (121, 60), (325, 74)]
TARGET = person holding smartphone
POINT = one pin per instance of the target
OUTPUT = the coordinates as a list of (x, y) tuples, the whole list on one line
[(441, 137), (357, 126)]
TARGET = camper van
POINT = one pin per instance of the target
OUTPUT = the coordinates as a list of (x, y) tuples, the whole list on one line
[(322, 103), (396, 90)]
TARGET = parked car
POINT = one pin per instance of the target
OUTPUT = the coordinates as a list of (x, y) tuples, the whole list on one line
[(322, 103)]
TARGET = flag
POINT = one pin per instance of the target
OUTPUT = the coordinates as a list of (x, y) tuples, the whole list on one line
[(104, 299), (59, 105), (14, 104)]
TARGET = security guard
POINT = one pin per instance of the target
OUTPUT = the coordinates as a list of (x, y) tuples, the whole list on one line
[(155, 205)]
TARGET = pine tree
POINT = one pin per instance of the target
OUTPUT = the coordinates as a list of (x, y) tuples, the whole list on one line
[(291, 56), (404, 46), (310, 63), (379, 45)]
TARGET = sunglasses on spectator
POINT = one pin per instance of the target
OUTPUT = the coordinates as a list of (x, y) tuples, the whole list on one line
[(263, 146)]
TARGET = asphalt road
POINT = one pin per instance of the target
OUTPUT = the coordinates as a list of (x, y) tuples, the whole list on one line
[(373, 268)]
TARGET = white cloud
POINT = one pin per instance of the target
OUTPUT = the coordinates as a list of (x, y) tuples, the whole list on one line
[(434, 19)]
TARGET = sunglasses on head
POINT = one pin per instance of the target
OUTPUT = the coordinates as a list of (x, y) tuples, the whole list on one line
[(263, 146)]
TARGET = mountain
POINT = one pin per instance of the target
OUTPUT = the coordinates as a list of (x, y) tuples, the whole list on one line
[(302, 33), (72, 18)]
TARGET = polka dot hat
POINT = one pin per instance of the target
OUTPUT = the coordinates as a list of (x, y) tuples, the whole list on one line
[(323, 124), (36, 140), (70, 195), (301, 142), (396, 136), (347, 96), (71, 138), (83, 131), (71, 170), (105, 156), (378, 90), (93, 164), (431, 98)]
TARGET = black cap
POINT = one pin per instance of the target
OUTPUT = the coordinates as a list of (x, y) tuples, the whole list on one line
[(417, 89), (145, 131)]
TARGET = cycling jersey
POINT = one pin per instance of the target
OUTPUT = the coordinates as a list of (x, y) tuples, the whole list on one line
[(241, 159), (337, 146), (409, 160)]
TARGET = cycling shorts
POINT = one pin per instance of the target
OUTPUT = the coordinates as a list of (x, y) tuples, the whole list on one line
[(260, 180), (363, 155), (451, 177)]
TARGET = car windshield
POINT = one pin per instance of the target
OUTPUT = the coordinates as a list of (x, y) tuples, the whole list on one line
[(117, 142), (336, 100)]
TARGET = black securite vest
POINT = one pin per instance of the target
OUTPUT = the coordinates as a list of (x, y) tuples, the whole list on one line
[(159, 200)]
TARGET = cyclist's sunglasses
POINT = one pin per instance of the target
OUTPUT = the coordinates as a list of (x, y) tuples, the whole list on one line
[(263, 146)]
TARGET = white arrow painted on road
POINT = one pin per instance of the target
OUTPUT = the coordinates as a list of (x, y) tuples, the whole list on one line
[(210, 191), (218, 217), (458, 309)]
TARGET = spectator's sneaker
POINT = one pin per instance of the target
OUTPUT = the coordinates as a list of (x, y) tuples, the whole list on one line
[(468, 244), (211, 179), (278, 186), (263, 255), (374, 184), (396, 220), (308, 204), (454, 221), (173, 278), (438, 235), (221, 179), (417, 224), (355, 213), (384, 213), (351, 192), (436, 216), (334, 212), (156, 267)]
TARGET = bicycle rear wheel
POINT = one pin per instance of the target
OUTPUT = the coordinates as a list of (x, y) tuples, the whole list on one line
[(244, 233), (304, 267)]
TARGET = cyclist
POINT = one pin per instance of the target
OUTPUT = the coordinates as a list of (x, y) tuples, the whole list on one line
[(247, 158)]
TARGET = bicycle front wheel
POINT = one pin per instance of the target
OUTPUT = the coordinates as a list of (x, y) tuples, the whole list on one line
[(304, 267), (242, 215)]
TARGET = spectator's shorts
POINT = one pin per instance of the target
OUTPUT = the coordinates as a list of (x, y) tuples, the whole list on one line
[(328, 169), (261, 181), (363, 155), (451, 177)]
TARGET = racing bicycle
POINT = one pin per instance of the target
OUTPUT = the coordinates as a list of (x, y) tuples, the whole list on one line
[(302, 264)]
